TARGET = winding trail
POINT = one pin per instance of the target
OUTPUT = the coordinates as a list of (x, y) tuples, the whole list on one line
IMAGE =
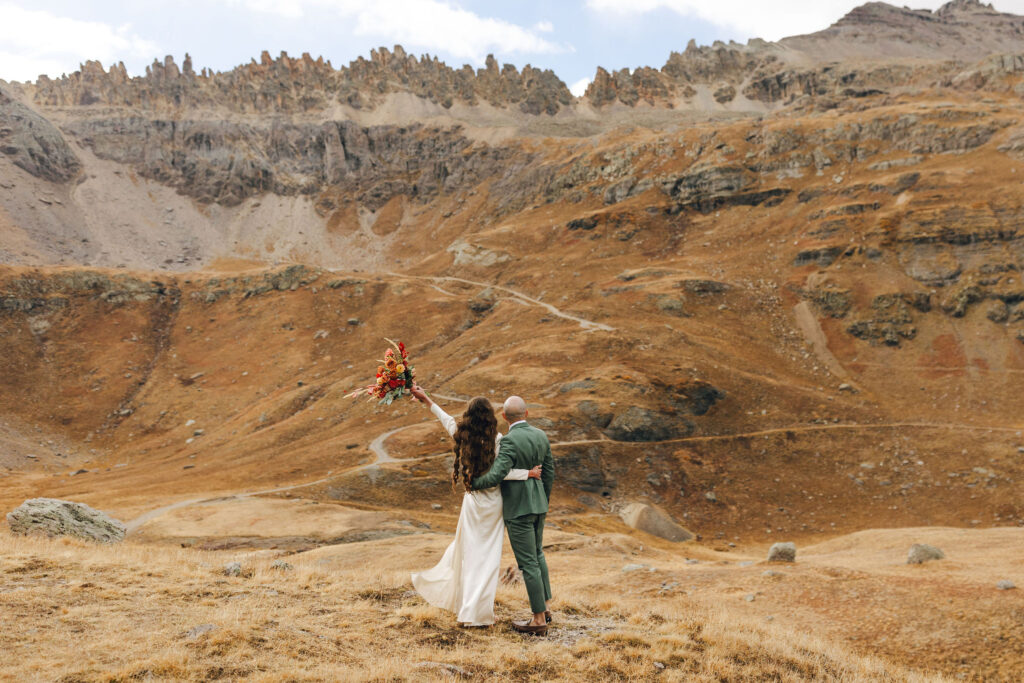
[(588, 325), (382, 456)]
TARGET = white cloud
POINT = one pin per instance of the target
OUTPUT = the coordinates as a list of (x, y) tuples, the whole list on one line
[(544, 26), (579, 87), (435, 25), (760, 18), (34, 42)]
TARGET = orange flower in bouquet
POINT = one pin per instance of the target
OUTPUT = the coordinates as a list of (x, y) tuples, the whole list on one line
[(394, 376)]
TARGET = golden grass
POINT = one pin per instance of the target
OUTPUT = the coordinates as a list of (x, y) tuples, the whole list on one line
[(83, 612)]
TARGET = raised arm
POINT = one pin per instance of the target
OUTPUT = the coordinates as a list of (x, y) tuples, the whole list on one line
[(447, 421)]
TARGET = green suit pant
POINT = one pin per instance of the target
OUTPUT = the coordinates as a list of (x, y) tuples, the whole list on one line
[(526, 534)]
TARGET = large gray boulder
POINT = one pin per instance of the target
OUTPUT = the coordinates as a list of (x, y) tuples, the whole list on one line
[(782, 552), (639, 424), (54, 517), (653, 521), (922, 552)]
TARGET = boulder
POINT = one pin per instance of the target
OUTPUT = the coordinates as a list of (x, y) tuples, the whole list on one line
[(922, 552), (782, 552), (653, 521), (1006, 585), (54, 517)]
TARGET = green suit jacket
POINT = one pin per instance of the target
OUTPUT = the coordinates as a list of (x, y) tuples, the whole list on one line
[(523, 447)]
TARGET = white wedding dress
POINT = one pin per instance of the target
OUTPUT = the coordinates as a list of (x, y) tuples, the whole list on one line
[(466, 578)]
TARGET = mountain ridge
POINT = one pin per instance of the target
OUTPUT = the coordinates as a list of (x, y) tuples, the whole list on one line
[(960, 31)]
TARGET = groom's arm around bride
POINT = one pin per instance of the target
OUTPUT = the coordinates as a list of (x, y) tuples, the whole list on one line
[(525, 505)]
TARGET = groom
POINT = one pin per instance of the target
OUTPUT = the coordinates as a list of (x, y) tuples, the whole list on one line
[(525, 505)]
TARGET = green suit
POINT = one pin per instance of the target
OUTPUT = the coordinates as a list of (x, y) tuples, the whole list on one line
[(525, 504)]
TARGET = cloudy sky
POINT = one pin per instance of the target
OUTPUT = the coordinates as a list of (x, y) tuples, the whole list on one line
[(573, 37)]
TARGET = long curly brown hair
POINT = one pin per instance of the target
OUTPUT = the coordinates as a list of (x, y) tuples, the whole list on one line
[(474, 442)]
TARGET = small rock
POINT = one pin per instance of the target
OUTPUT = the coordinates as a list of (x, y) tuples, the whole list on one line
[(770, 573), (922, 552), (77, 472), (710, 495), (188, 467), (436, 506), (1005, 585), (845, 387), (749, 597), (198, 432), (233, 569), (659, 666), (782, 552), (353, 321), (197, 631), (281, 566), (692, 561), (634, 568)]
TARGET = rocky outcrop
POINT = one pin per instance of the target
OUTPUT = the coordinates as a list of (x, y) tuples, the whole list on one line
[(707, 188), (52, 517), (33, 295), (891, 319), (290, 85), (640, 424), (583, 469), (33, 143)]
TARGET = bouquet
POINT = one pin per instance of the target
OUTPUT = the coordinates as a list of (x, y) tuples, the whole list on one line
[(394, 376)]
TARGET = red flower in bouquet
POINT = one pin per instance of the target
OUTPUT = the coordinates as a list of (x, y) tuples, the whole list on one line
[(393, 376)]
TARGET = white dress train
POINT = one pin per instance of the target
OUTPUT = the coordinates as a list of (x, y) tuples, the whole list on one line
[(466, 578)]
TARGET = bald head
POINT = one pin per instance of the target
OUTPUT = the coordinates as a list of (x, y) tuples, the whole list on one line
[(514, 409)]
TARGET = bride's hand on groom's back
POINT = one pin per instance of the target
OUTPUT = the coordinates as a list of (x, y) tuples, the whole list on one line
[(535, 472)]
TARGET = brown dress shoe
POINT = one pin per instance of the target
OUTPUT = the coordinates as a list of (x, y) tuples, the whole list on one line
[(527, 627)]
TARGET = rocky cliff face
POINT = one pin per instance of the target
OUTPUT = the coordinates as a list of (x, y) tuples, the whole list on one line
[(225, 162), (33, 143)]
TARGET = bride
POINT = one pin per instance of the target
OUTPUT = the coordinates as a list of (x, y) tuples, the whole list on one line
[(466, 578)]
